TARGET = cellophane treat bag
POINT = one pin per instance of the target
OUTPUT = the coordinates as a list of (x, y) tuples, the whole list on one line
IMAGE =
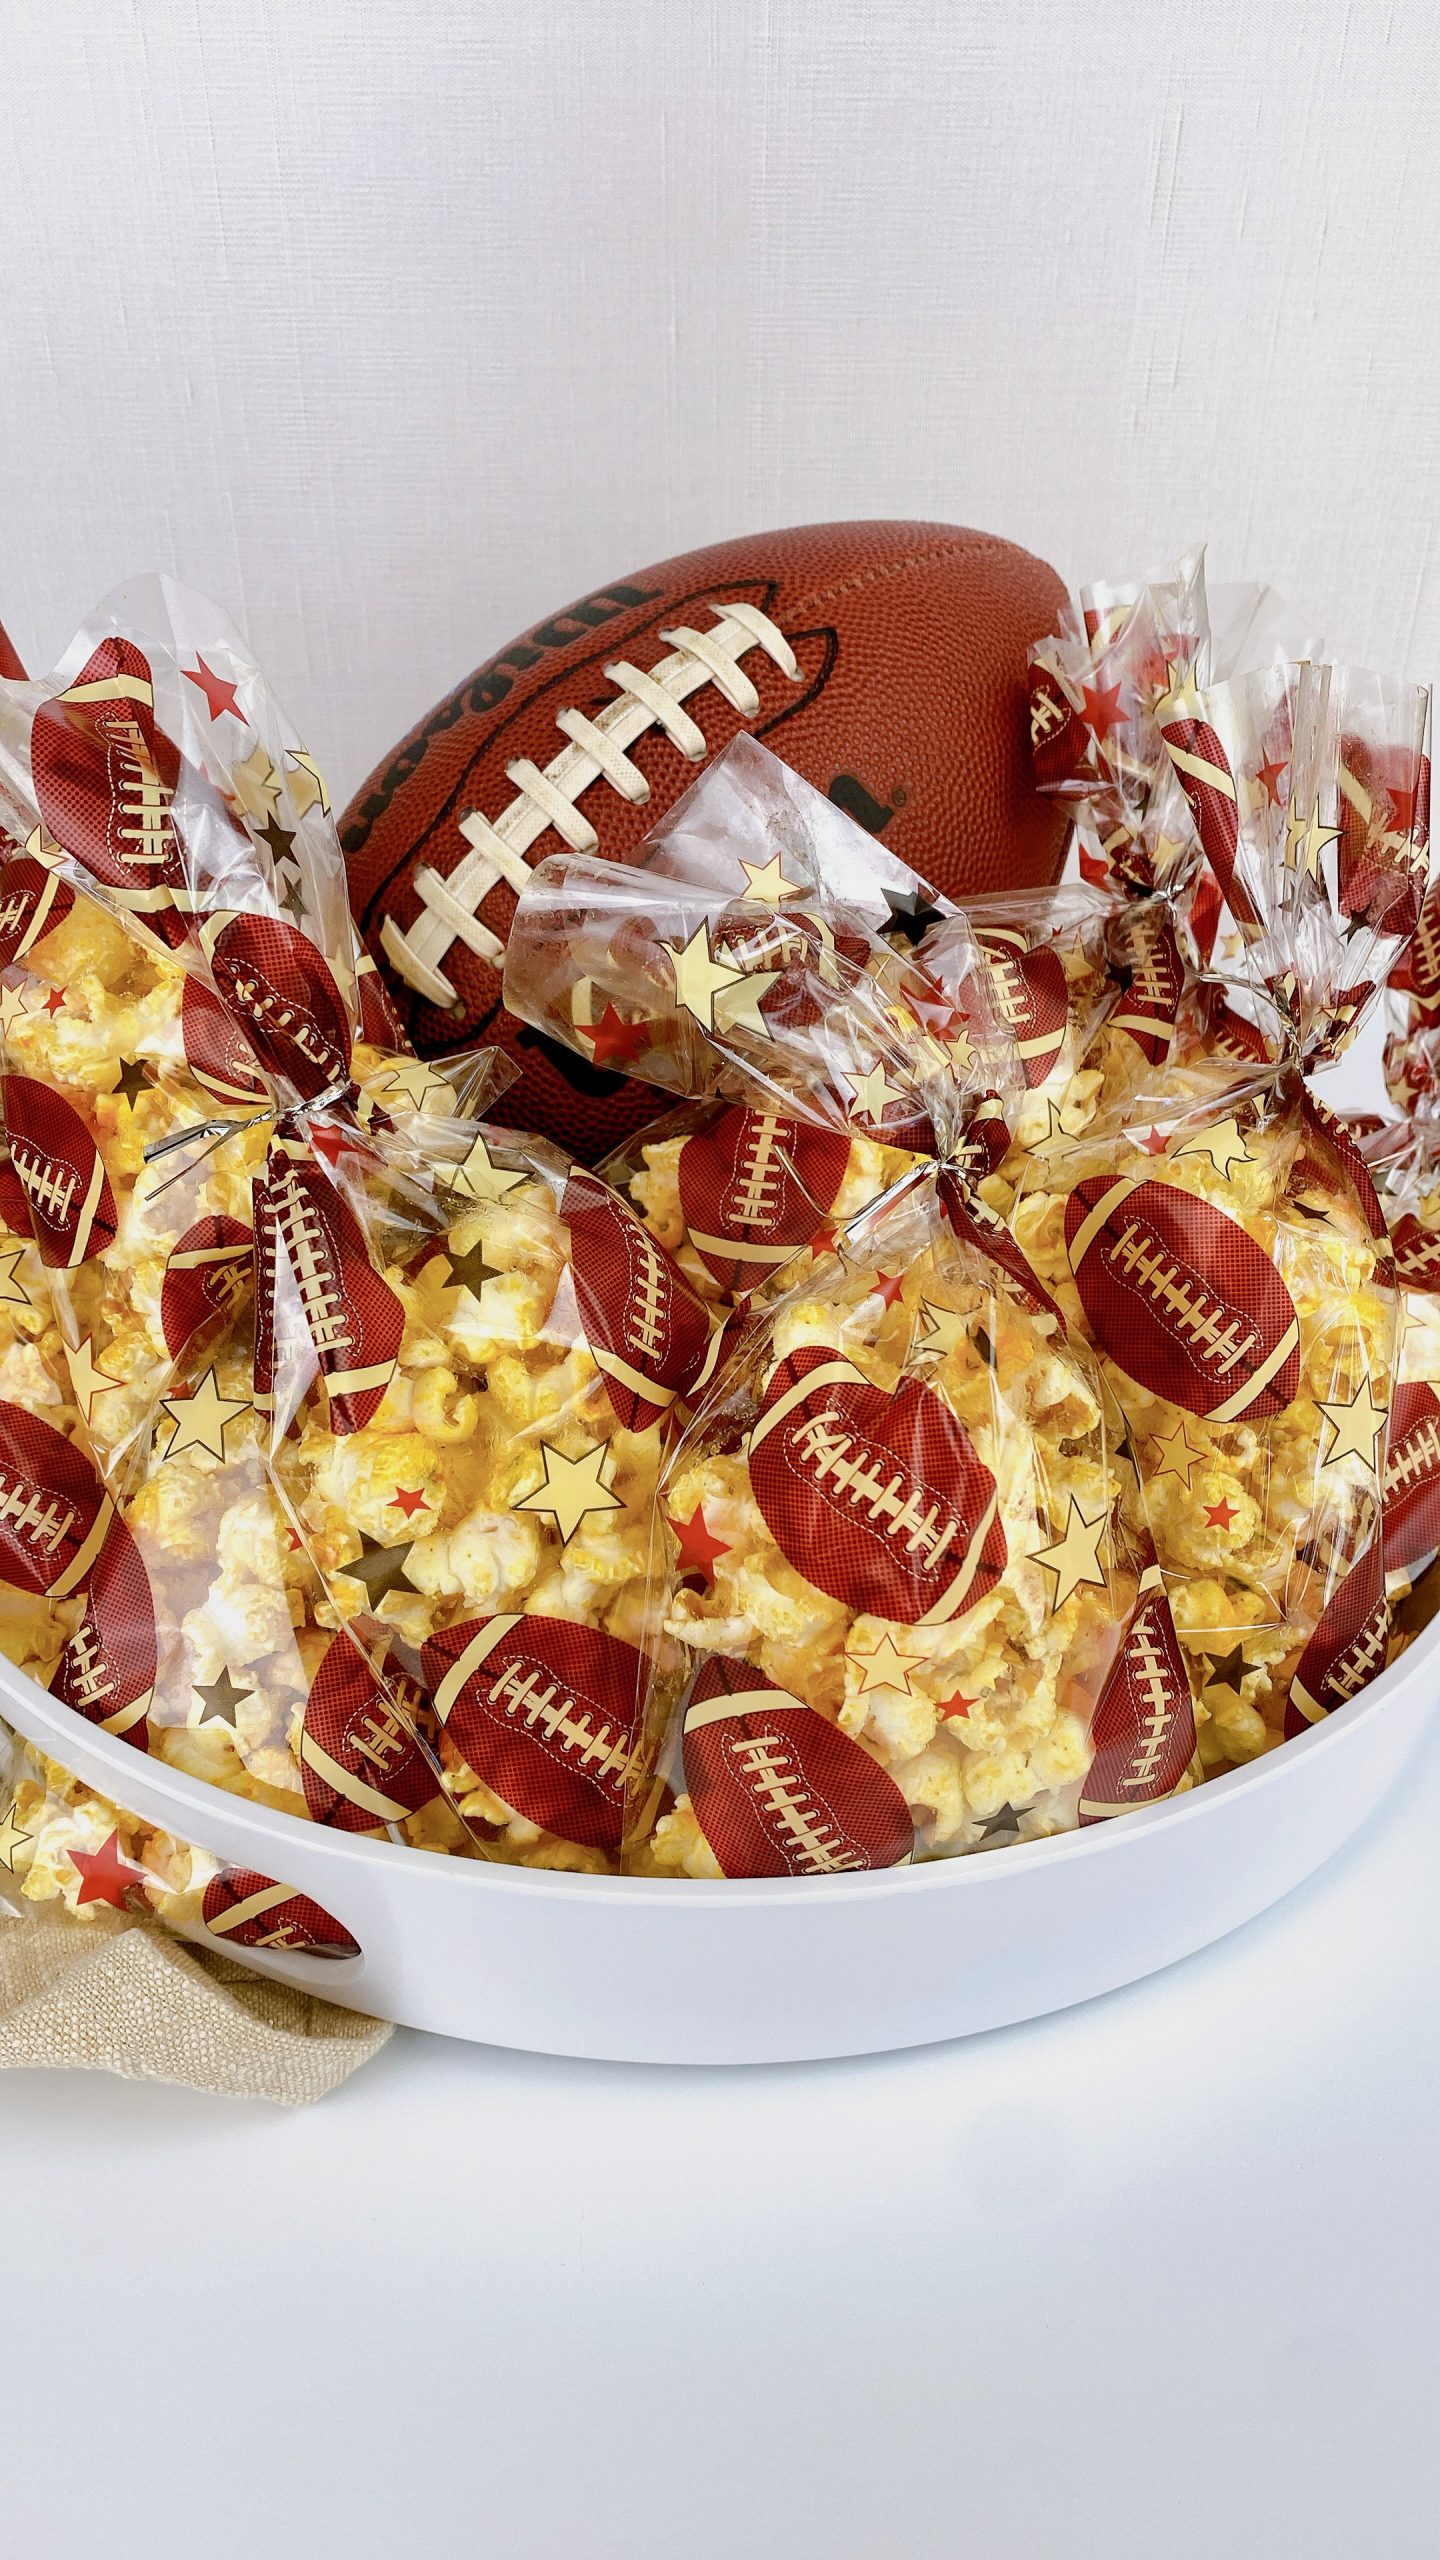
[(1218, 1238), (61, 1843), (197, 1095), (1098, 978), (736, 1181), (907, 1613)]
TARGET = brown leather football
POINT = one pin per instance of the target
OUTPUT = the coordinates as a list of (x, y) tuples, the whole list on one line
[(885, 662)]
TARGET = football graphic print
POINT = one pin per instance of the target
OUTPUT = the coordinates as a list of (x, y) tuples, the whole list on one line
[(1026, 990), (107, 1670), (360, 1753), (276, 981), (1347, 1649), (546, 1714), (209, 1268), (54, 1511), (647, 1330), (355, 1320), (1182, 1299), (57, 1179), (880, 1500), (1143, 1736), (104, 778), (754, 1189), (244, 1909), (1411, 1518), (779, 1792), (33, 900)]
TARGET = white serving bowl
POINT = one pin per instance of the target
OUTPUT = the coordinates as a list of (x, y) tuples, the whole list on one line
[(632, 1971)]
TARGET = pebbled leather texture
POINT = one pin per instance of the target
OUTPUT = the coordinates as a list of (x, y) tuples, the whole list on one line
[(910, 709)]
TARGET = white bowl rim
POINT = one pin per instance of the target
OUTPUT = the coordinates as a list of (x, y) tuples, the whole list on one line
[(970, 1873)]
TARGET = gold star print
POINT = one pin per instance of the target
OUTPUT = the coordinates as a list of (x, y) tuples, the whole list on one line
[(305, 783), (13, 1292), (1076, 1558), (572, 1488), (741, 1005), (256, 786), (88, 1380), (768, 885), (1222, 1143), (944, 1331), (12, 1838), (14, 1002), (202, 1418), (1306, 840), (1181, 1457), (870, 1093), (884, 1667), (480, 1178), (415, 1081), (699, 976), (1357, 1426), (961, 1049)]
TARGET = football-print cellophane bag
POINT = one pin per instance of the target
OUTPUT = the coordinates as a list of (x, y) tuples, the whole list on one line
[(736, 1189), (61, 1842), (1220, 1240), (1097, 978), (173, 1043), (906, 1615)]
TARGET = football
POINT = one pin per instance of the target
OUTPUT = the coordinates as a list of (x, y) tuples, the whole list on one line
[(880, 1500), (208, 1269), (33, 900), (754, 1189), (1143, 1736), (779, 1792), (104, 776), (884, 662), (244, 1909), (1411, 1520), (58, 1173), (54, 1511), (1026, 990), (107, 1670), (354, 1317), (217, 1053), (275, 979), (1347, 1649), (647, 1330), (546, 1714), (1184, 1301), (360, 1753)]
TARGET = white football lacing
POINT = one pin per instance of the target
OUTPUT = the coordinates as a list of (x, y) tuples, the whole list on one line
[(380, 1739), (144, 800), (308, 1246), (1219, 1336), (602, 1751), (42, 1518), (49, 1187), (91, 1677), (760, 1172), (1152, 1675), (843, 1461), (648, 1314), (773, 1777), (1363, 1656), (595, 749), (1415, 1459)]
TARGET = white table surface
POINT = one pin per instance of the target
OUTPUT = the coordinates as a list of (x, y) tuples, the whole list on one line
[(1154, 2280)]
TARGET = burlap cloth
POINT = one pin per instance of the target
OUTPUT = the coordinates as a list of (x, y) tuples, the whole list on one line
[(111, 1994)]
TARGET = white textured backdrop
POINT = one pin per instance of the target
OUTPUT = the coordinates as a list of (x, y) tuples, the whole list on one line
[(395, 325)]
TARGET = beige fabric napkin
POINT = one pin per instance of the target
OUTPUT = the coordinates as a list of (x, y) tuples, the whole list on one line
[(112, 1994)]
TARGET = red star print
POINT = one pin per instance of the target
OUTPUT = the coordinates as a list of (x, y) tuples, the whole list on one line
[(1402, 806), (1268, 778), (53, 1002), (104, 1874), (328, 1142), (1095, 869), (615, 1042), (294, 1537), (1220, 1514), (219, 696), (823, 1240), (409, 1502), (699, 1547), (948, 1709), (1100, 704), (1155, 1143), (888, 1285)]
